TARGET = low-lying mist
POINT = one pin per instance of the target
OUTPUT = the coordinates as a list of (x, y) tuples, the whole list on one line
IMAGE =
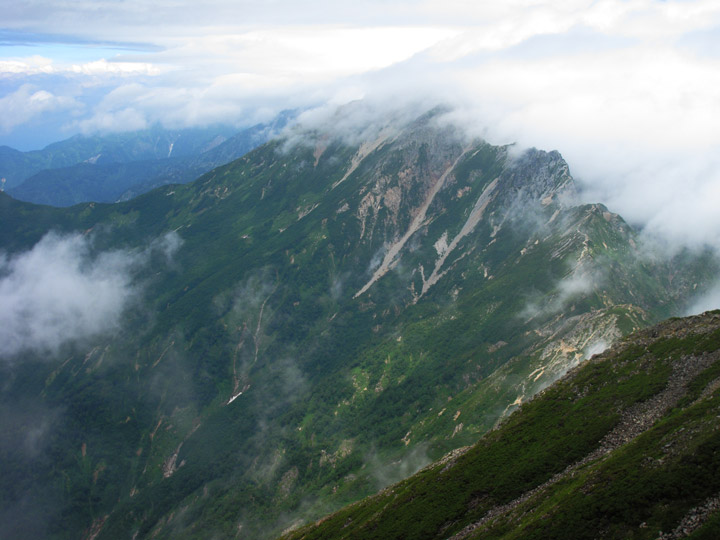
[(62, 291)]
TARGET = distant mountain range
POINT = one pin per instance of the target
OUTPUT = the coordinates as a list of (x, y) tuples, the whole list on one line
[(118, 167), (314, 321)]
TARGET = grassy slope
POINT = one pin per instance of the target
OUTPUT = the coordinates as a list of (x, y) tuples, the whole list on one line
[(641, 488)]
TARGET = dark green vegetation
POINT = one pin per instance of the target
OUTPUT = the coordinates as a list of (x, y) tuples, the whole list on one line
[(336, 316), (119, 167), (627, 446)]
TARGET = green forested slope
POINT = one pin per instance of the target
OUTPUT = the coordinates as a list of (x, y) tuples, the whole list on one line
[(626, 446), (331, 317)]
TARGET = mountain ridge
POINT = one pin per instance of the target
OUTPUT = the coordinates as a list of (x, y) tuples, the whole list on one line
[(251, 337), (120, 167)]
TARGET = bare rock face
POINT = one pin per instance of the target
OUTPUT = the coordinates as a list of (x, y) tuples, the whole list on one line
[(416, 180)]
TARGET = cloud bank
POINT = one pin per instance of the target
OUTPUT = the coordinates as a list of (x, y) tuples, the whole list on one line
[(28, 102), (60, 292)]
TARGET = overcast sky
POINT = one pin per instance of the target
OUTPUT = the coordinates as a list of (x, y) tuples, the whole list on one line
[(628, 91)]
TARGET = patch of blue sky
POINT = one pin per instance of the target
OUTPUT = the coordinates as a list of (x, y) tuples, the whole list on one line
[(65, 54), (63, 48)]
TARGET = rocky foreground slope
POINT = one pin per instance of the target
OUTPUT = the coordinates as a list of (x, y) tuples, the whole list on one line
[(626, 446)]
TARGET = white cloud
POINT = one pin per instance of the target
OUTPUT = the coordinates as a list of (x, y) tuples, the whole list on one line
[(35, 65), (108, 121), (579, 283), (311, 51), (26, 103), (103, 67), (27, 66), (60, 292)]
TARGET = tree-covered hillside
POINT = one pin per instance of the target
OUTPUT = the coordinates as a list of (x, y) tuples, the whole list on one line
[(299, 328)]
